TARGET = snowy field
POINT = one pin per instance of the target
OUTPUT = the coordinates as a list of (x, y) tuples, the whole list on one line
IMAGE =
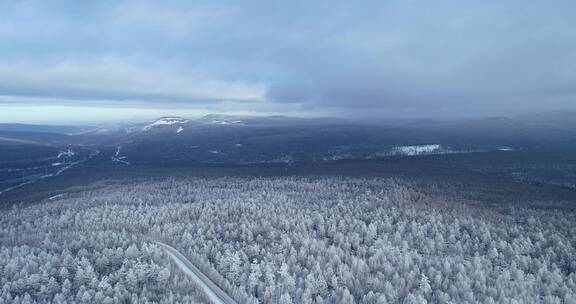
[(284, 240)]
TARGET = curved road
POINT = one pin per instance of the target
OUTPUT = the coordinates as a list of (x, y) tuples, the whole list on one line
[(214, 293)]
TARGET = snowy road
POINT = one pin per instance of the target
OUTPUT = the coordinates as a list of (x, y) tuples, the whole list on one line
[(214, 293)]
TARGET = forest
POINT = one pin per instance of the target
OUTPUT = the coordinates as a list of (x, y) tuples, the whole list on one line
[(284, 240)]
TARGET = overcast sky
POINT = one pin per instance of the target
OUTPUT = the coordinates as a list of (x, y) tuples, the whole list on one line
[(63, 61)]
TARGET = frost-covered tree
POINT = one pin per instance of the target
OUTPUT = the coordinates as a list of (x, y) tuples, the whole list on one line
[(285, 240)]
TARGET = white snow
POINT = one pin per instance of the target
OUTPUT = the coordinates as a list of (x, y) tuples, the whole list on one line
[(216, 119), (226, 122), (416, 150), (165, 121), (56, 196), (67, 153), (120, 159)]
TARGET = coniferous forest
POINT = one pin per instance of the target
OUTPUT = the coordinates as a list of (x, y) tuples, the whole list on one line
[(284, 240)]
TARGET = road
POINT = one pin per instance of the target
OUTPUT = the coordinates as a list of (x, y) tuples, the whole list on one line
[(214, 293)]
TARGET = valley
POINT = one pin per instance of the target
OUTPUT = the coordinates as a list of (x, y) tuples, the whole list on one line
[(218, 145)]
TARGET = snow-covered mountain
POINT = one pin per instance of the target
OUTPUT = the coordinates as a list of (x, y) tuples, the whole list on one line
[(250, 139), (222, 119), (176, 122)]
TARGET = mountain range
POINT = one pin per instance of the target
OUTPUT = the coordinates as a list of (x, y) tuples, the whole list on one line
[(251, 139)]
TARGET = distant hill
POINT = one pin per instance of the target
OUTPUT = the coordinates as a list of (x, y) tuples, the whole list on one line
[(249, 139), (272, 139)]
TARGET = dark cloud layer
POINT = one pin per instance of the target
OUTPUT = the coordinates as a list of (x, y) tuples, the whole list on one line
[(360, 58)]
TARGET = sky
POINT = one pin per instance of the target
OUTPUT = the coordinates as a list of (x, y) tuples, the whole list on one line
[(90, 61)]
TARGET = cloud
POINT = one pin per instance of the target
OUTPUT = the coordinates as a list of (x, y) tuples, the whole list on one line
[(114, 78), (367, 58)]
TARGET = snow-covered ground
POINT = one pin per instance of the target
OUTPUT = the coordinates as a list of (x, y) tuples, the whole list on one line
[(416, 149), (432, 149), (223, 119), (165, 121), (226, 122), (67, 153), (56, 196), (117, 158)]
